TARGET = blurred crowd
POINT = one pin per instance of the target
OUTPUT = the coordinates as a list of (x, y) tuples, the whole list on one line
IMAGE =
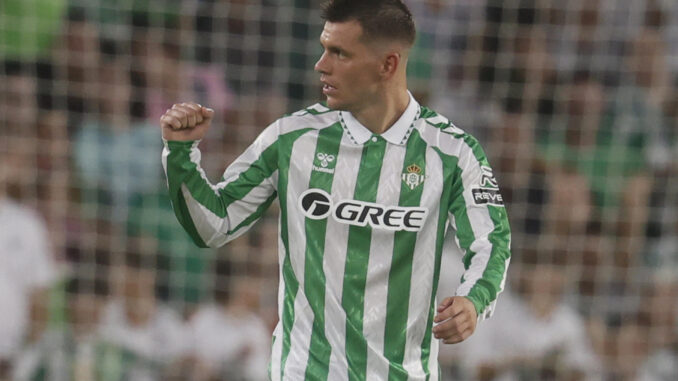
[(575, 103)]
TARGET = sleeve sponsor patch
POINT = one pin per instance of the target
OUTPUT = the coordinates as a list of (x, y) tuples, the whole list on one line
[(487, 196)]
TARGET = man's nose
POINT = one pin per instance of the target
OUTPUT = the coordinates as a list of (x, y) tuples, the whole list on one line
[(322, 66)]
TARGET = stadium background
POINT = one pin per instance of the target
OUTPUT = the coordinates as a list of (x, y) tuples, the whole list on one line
[(575, 102)]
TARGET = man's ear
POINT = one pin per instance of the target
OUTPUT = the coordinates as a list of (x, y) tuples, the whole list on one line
[(390, 64)]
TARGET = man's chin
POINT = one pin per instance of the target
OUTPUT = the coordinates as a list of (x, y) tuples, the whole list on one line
[(335, 104)]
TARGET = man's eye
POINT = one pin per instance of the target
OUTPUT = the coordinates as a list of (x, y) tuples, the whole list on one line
[(338, 53)]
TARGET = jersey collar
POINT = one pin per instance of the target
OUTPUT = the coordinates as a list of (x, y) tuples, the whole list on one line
[(396, 134)]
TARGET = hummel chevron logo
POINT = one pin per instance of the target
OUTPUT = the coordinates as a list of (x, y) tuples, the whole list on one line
[(325, 160)]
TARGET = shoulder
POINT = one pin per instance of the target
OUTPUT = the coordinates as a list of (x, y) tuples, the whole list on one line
[(439, 132), (315, 117)]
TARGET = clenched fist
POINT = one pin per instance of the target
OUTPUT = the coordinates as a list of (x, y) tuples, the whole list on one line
[(186, 121)]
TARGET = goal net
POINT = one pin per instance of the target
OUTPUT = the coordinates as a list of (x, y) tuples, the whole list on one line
[(574, 102)]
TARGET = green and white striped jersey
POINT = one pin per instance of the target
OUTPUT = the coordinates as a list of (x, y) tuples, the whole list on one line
[(363, 218)]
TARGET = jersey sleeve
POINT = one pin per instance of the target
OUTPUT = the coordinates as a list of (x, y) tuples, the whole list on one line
[(214, 214), (482, 229)]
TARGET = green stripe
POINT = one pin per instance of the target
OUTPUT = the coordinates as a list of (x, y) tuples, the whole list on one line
[(357, 256), (317, 367), (291, 284), (258, 171), (449, 164), (257, 213), (400, 274), (179, 167)]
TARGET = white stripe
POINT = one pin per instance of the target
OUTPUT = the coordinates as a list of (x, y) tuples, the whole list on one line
[(295, 367), (303, 152), (423, 269), (490, 309), (276, 351), (206, 223), (379, 265), (334, 260), (240, 210), (433, 361), (438, 119), (448, 144), (300, 168)]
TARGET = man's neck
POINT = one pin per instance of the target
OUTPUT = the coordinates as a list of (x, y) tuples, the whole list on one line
[(383, 113)]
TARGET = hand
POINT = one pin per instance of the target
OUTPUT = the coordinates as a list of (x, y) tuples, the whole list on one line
[(186, 121), (456, 320)]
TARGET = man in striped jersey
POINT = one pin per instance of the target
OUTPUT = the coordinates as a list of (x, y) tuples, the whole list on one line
[(369, 185)]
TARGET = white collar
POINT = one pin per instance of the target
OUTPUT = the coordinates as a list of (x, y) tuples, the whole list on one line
[(396, 134)]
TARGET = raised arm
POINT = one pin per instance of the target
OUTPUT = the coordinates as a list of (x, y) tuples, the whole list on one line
[(214, 214)]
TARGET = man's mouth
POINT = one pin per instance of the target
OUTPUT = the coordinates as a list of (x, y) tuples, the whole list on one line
[(328, 89), (327, 86)]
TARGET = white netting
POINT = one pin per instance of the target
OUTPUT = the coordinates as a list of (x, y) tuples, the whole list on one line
[(575, 103)]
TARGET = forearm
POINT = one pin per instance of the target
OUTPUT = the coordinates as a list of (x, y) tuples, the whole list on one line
[(196, 202), (487, 261)]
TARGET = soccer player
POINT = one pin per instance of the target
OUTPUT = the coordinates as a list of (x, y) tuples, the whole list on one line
[(369, 185)]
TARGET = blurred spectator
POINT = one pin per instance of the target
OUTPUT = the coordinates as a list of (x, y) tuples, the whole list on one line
[(442, 28), (147, 339), (660, 317), (54, 182), (121, 179), (642, 343), (609, 150), (231, 341), (625, 350), (18, 112), (531, 74), (634, 123), (586, 35), (662, 249), (18, 98), (457, 52), (536, 334), (171, 78), (77, 57), (75, 350), (240, 35), (662, 15), (108, 146), (27, 268)]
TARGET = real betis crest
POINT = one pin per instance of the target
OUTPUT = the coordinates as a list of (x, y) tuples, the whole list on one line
[(413, 177)]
